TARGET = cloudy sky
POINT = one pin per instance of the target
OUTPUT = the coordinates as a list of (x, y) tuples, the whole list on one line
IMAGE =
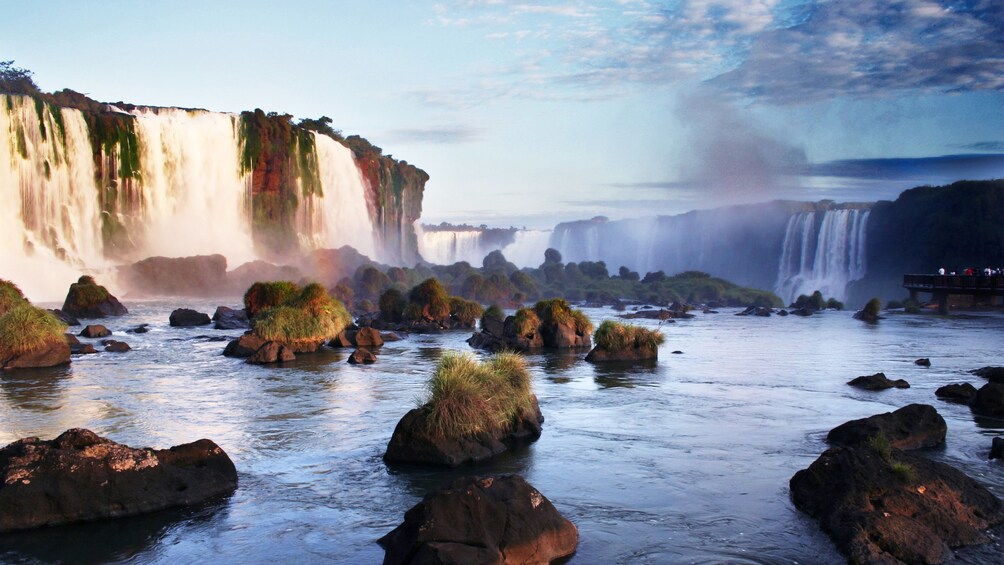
[(532, 112)]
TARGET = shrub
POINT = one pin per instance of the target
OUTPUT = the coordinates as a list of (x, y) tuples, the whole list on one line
[(614, 336), (467, 398), (392, 305), (465, 311), (310, 316), (557, 311), (873, 307), (431, 294), (834, 304), (526, 322), (904, 472), (26, 328), (494, 312), (10, 296), (262, 295)]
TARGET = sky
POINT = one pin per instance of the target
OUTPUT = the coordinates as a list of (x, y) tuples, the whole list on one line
[(527, 113)]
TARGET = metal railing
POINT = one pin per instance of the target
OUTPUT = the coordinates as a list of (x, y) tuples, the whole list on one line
[(951, 283)]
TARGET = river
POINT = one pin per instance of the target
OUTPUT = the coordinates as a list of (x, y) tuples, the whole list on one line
[(685, 462)]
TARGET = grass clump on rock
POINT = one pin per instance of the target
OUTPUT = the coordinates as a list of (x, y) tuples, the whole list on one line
[(614, 336), (466, 312), (556, 311), (307, 316), (25, 328), (468, 397), (10, 296), (262, 295)]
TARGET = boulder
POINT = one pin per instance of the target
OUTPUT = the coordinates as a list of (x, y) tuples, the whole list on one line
[(341, 340), (113, 346), (914, 426), (201, 275), (244, 346), (82, 349), (390, 336), (87, 299), (271, 352), (997, 448), (230, 319), (923, 362), (894, 507), (804, 312), (867, 317), (878, 381), (368, 337), (633, 354), (989, 400), (992, 374), (186, 318), (500, 520), (51, 354), (140, 329), (64, 317), (95, 330), (412, 443), (782, 312), (362, 356), (963, 393), (80, 476)]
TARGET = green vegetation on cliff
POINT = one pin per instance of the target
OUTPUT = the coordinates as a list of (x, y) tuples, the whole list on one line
[(467, 397)]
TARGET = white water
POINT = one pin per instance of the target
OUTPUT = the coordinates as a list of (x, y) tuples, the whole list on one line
[(195, 199), (339, 217), (49, 223), (527, 250), (190, 197), (446, 247), (825, 258)]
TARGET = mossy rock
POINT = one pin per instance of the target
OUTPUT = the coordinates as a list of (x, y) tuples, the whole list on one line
[(31, 337), (87, 299)]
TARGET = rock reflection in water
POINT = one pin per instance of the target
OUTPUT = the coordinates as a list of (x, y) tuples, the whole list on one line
[(38, 390)]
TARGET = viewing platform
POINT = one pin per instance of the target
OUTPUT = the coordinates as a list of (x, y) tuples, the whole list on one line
[(941, 286)]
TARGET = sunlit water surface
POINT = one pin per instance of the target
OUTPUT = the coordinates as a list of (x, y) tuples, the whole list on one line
[(684, 462)]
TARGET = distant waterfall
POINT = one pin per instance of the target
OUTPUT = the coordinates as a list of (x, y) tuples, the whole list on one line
[(527, 250), (446, 247), (167, 181), (822, 251)]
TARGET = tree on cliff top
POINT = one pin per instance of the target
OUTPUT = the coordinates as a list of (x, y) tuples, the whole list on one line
[(16, 80)]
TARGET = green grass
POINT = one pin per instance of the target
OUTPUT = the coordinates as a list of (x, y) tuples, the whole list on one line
[(88, 292), (874, 307), (262, 295), (614, 336), (467, 397), (905, 473), (10, 296), (431, 294), (557, 311), (26, 328), (881, 446), (309, 316), (466, 311), (527, 322)]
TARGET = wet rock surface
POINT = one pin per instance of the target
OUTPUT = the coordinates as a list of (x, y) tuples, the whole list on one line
[(81, 476), (912, 427), (878, 381)]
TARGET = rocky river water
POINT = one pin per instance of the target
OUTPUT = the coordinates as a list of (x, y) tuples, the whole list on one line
[(687, 461)]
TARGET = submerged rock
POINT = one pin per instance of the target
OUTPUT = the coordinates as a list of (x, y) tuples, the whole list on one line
[(80, 476), (413, 443), (989, 400), (992, 374), (878, 381), (244, 346), (88, 299), (923, 362), (113, 346), (963, 393), (271, 352), (95, 330), (912, 427), (185, 318), (362, 356), (500, 520), (894, 507)]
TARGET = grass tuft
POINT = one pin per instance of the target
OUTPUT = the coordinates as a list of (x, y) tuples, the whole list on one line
[(881, 445), (25, 328), (905, 473), (310, 315), (614, 336), (10, 296), (527, 322), (262, 295), (465, 311), (467, 397)]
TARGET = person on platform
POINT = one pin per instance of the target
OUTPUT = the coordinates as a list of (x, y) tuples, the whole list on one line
[(941, 271)]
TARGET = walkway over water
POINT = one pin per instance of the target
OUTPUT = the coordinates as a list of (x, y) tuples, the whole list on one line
[(941, 286)]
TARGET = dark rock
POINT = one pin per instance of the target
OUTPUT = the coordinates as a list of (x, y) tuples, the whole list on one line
[(923, 362), (502, 520), (390, 336), (992, 374), (230, 319), (140, 329), (81, 476), (914, 426), (50, 354), (963, 393), (878, 381), (895, 507), (362, 356), (64, 317), (782, 312), (113, 346), (186, 318), (600, 355), (866, 317), (677, 352), (71, 340), (87, 299), (82, 349), (658, 315), (244, 346), (368, 337), (804, 312), (412, 443), (710, 311), (95, 330), (341, 340), (202, 275), (989, 400), (271, 352), (762, 311), (997, 448)]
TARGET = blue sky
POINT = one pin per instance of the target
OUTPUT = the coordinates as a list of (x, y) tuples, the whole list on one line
[(533, 112)]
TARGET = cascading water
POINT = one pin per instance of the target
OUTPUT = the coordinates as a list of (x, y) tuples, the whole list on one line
[(528, 247), (824, 254), (446, 247), (150, 181)]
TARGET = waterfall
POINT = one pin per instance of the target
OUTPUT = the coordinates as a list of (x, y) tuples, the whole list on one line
[(446, 247), (78, 189), (822, 254), (527, 250)]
